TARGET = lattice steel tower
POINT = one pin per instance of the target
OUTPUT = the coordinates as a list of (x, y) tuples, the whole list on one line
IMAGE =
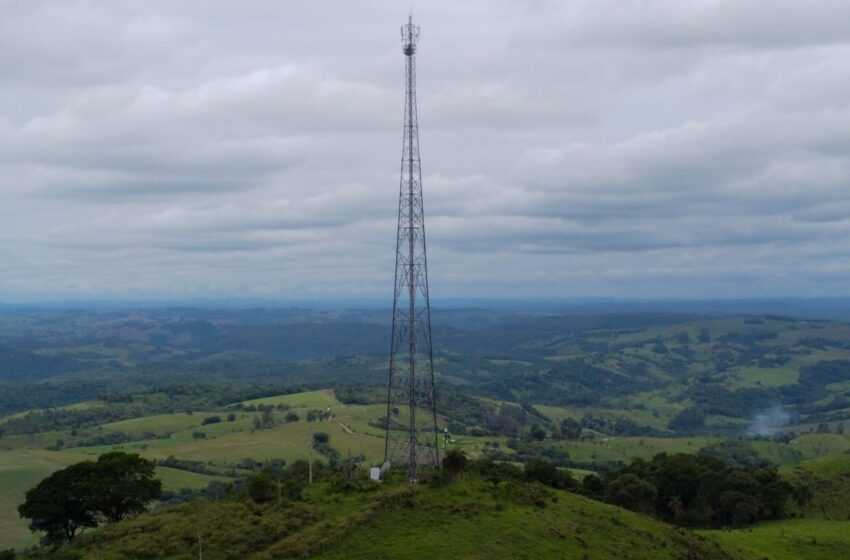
[(411, 405)]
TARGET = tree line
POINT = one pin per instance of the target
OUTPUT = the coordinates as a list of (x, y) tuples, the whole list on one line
[(686, 490)]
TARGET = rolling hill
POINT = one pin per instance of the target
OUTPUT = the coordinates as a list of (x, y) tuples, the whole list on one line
[(462, 520)]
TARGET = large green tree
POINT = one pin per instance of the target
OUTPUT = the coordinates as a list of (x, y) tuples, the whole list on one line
[(125, 485), (113, 487), (61, 504)]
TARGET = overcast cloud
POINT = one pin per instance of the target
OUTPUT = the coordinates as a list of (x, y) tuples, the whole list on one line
[(569, 149)]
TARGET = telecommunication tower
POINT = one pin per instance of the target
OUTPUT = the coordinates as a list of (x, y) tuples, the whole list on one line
[(411, 435)]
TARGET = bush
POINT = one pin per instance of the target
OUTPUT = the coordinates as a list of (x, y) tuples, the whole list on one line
[(495, 473), (262, 488), (321, 437), (547, 473), (630, 492), (211, 420), (454, 463)]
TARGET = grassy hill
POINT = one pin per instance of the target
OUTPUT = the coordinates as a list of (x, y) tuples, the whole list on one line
[(822, 528), (794, 539), (462, 520), (829, 481), (467, 519)]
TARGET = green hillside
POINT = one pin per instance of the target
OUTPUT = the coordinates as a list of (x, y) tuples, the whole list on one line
[(800, 539), (467, 519), (828, 481), (462, 520)]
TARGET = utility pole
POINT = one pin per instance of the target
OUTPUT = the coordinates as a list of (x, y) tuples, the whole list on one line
[(411, 370)]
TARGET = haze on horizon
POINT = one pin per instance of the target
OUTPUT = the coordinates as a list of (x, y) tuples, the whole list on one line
[(569, 149)]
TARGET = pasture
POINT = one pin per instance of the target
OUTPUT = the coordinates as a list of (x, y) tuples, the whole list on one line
[(791, 539)]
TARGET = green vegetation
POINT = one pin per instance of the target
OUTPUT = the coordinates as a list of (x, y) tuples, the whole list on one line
[(694, 491), (23, 469), (800, 539), (822, 487), (113, 487), (20, 471), (481, 510), (233, 448), (333, 519), (217, 396)]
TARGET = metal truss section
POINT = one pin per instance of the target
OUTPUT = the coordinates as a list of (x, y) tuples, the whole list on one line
[(411, 430)]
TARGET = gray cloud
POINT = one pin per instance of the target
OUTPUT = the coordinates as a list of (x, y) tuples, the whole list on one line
[(152, 149)]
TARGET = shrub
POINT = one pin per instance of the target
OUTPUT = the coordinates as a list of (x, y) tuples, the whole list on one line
[(632, 493), (454, 463), (262, 488), (547, 473)]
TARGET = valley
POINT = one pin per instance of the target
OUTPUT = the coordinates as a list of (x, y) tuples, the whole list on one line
[(578, 391)]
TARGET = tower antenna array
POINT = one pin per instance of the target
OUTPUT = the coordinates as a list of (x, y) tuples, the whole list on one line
[(411, 430)]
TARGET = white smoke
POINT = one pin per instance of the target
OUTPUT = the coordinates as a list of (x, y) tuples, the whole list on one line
[(769, 422)]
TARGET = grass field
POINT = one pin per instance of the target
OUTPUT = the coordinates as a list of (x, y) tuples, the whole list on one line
[(766, 377), (19, 471), (464, 522), (85, 405), (654, 417), (627, 448), (822, 445), (175, 479), (796, 539), (311, 399)]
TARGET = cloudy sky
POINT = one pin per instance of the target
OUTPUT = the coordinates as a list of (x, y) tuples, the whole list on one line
[(569, 149)]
